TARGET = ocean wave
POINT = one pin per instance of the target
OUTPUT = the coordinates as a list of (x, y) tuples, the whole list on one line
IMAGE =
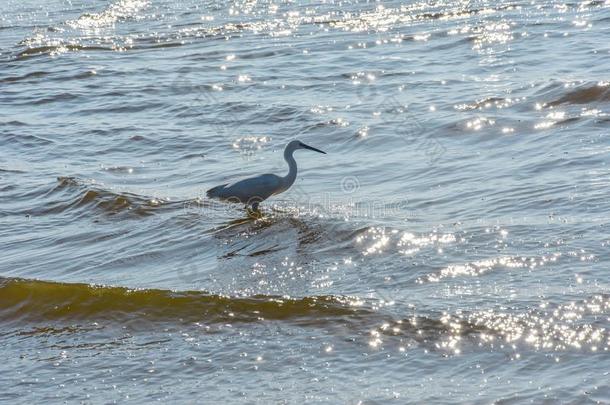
[(586, 93), (117, 11), (40, 301), (54, 47), (72, 195), (553, 327)]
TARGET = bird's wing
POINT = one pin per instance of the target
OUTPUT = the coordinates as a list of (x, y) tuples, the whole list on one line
[(259, 188), (269, 181), (215, 191)]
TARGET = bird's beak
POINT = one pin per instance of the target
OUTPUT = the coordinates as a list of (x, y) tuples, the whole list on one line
[(311, 148)]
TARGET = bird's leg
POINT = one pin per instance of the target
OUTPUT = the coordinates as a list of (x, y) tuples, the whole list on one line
[(254, 212)]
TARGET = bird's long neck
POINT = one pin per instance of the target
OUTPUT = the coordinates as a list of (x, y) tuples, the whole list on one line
[(292, 169)]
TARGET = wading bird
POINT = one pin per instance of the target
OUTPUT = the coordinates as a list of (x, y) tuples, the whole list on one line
[(253, 190)]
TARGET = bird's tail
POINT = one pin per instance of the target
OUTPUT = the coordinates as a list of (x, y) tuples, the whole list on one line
[(215, 191)]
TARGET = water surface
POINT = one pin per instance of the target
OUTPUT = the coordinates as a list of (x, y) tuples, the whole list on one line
[(452, 246)]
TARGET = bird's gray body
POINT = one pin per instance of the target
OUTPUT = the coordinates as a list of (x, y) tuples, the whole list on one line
[(253, 190), (248, 191)]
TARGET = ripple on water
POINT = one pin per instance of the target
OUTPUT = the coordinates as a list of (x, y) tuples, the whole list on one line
[(449, 248)]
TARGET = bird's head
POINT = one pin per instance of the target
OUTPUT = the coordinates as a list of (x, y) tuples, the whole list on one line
[(296, 144)]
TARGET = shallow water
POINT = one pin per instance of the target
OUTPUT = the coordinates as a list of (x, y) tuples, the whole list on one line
[(452, 246)]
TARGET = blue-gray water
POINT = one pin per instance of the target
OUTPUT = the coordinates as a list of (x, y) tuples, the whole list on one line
[(452, 246)]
